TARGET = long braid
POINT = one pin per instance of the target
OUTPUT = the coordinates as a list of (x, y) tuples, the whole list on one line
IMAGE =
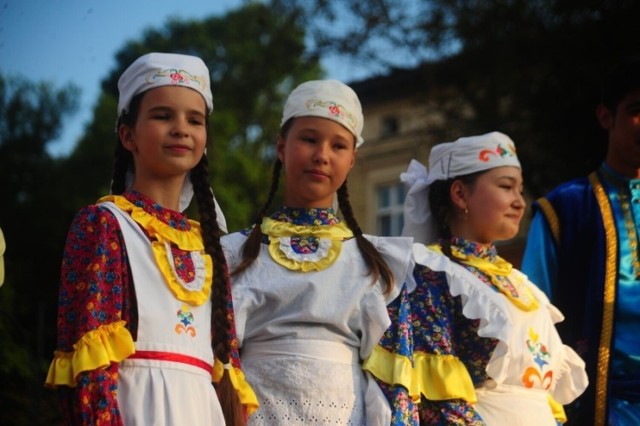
[(221, 325), (122, 161), (378, 267), (251, 247)]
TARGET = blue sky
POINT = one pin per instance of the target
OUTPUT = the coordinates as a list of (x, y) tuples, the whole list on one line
[(75, 41)]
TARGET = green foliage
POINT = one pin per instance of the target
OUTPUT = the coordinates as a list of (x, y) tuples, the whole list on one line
[(33, 220)]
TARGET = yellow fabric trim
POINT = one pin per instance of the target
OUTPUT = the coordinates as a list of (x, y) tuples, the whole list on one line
[(277, 229), (552, 218), (305, 266), (525, 301), (163, 235), (443, 377), (557, 409), (188, 240), (96, 349), (392, 369), (245, 391), (611, 249), (196, 298)]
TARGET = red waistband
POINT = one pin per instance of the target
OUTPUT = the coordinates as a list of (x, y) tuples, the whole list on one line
[(171, 356)]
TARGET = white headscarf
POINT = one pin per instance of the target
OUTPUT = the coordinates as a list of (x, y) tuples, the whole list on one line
[(330, 99), (446, 161)]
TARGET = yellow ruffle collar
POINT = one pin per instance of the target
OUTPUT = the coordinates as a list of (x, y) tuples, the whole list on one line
[(329, 244), (163, 236), (502, 275)]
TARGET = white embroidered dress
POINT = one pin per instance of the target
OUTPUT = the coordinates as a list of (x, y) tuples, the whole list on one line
[(168, 380), (303, 335), (529, 364)]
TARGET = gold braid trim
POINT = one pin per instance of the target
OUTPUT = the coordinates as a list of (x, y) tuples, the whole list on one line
[(604, 351), (552, 218)]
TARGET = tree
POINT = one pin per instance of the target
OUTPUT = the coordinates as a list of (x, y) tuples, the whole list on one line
[(529, 68), (31, 115)]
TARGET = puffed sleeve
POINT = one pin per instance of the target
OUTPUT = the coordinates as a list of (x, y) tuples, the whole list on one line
[(93, 319)]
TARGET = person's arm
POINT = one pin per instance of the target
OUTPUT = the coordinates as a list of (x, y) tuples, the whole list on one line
[(539, 261), (446, 400), (393, 357), (92, 337)]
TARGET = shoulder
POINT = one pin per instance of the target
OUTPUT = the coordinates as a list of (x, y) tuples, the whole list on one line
[(234, 239), (94, 219), (573, 190)]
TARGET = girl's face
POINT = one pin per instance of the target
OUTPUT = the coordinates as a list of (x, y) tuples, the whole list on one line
[(317, 155), (494, 205), (169, 136)]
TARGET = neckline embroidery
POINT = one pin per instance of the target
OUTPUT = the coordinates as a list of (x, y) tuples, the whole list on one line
[(504, 278), (304, 248), (172, 249)]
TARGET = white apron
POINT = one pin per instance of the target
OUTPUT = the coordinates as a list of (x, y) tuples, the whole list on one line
[(168, 380)]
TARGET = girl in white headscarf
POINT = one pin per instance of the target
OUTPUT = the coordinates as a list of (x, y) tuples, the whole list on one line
[(145, 319), (309, 289), (486, 350)]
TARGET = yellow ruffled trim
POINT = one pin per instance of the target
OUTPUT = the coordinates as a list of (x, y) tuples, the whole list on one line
[(96, 349), (557, 409), (245, 391), (190, 240), (442, 377), (301, 265), (527, 302), (437, 377), (392, 369), (276, 228), (196, 297)]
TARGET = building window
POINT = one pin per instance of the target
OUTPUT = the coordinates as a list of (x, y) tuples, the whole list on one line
[(390, 126), (389, 218)]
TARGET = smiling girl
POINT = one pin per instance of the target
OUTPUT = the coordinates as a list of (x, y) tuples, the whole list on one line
[(145, 319), (310, 290), (486, 349)]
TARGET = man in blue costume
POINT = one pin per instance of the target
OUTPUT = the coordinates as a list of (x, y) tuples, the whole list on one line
[(583, 251)]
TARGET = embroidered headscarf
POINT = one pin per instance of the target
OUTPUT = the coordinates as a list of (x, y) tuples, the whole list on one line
[(446, 161), (330, 99), (164, 69)]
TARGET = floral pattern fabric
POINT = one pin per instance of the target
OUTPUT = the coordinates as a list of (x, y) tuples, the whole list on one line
[(440, 328)]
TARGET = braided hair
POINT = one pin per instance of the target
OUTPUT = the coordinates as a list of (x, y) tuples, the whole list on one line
[(376, 264), (221, 327)]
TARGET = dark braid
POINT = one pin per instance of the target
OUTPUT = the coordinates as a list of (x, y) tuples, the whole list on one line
[(221, 328), (123, 159), (378, 267), (251, 247)]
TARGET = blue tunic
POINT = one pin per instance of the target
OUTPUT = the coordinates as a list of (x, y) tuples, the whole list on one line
[(583, 251)]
